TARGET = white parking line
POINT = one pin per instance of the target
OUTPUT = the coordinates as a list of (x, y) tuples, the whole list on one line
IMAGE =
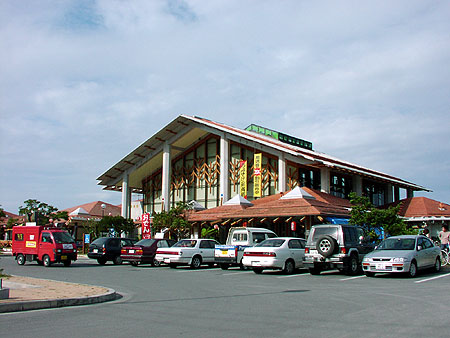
[(432, 278), (350, 278), (236, 273), (290, 276)]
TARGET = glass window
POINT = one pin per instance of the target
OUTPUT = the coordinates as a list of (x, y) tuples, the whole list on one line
[(239, 237), (18, 237), (427, 243), (145, 242), (271, 243), (46, 238), (63, 238), (258, 237), (186, 243), (294, 244), (162, 244)]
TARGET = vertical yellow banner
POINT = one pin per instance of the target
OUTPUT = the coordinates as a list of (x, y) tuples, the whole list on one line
[(257, 175), (243, 178)]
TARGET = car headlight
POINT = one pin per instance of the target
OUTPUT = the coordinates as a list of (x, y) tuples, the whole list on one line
[(399, 259), (366, 259), (59, 250)]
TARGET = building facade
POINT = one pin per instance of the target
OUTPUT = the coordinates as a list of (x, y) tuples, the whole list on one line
[(193, 158)]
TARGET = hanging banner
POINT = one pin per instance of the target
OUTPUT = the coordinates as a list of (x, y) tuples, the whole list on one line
[(257, 159), (243, 178), (146, 226)]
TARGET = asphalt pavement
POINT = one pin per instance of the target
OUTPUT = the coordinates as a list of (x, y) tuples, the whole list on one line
[(164, 302)]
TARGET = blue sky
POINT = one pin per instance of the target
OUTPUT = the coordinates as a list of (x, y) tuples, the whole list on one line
[(84, 82)]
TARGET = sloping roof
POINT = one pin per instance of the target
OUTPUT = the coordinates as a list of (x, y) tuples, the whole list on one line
[(422, 207), (78, 211), (146, 158), (10, 215), (95, 209), (275, 206)]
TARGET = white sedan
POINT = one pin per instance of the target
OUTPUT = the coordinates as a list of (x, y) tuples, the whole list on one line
[(192, 252), (281, 253)]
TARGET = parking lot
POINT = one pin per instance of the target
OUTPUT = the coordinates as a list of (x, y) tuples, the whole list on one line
[(164, 302)]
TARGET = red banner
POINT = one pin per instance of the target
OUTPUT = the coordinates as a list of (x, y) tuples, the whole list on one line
[(146, 226)]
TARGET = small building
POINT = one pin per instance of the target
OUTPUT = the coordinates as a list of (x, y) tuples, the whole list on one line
[(6, 233)]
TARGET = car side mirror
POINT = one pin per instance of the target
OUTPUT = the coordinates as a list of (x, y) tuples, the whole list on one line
[(419, 247)]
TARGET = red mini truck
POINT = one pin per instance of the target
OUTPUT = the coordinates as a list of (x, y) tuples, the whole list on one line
[(46, 245)]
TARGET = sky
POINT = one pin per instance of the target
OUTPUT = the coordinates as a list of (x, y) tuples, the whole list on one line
[(83, 83)]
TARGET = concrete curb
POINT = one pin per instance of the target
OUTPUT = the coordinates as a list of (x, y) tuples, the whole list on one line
[(55, 303)]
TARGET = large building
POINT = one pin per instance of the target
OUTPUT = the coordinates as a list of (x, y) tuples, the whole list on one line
[(193, 158)]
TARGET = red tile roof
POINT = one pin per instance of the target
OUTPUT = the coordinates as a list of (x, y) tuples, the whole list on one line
[(422, 206), (95, 209)]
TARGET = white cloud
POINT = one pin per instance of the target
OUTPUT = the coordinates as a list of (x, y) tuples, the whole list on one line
[(84, 82)]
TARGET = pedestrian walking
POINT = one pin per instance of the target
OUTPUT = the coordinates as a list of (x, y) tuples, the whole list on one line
[(444, 237)]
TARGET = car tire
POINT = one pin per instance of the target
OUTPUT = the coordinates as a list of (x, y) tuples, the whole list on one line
[(46, 260), (20, 259), (196, 262), (412, 269), (326, 245), (369, 274), (101, 261), (67, 263), (135, 263), (172, 265), (258, 271), (314, 271), (117, 260), (224, 266), (156, 263), (289, 267), (353, 266), (437, 264)]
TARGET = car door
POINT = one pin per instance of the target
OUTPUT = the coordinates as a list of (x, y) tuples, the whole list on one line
[(422, 256), (429, 251), (297, 251), (114, 248), (207, 251), (46, 245)]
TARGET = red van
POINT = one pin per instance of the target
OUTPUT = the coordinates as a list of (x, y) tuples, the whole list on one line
[(44, 245)]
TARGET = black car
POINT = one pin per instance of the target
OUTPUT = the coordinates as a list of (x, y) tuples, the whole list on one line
[(105, 249)]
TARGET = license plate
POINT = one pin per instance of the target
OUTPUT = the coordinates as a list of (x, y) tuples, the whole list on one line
[(95, 250), (63, 258), (380, 266), (256, 263), (130, 251), (224, 252), (167, 260)]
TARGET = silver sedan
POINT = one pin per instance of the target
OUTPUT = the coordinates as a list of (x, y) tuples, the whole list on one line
[(405, 254)]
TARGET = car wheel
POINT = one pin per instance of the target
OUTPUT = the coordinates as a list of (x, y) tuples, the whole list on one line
[(67, 263), (224, 266), (101, 261), (412, 269), (156, 263), (314, 271), (437, 264), (353, 266), (289, 267), (172, 265), (46, 260), (117, 260), (369, 274), (134, 263), (20, 259), (196, 262), (326, 245), (258, 271)]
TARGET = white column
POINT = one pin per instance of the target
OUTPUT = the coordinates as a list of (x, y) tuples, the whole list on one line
[(325, 180), (166, 176), (357, 185), (224, 169), (125, 196), (281, 173)]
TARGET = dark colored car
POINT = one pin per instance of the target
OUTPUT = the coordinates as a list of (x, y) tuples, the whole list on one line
[(105, 249), (143, 252)]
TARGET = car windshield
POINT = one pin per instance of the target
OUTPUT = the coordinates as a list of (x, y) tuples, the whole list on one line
[(185, 243), (397, 244), (271, 243), (145, 242), (62, 238)]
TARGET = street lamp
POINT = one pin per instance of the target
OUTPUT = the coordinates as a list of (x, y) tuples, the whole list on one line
[(103, 209)]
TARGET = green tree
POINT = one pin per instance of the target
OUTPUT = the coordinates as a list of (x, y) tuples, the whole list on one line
[(40, 212), (365, 214), (2, 213), (175, 220), (118, 223)]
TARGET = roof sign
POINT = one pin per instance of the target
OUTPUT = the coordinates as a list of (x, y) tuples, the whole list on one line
[(280, 136)]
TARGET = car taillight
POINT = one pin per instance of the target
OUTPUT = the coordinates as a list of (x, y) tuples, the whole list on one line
[(123, 251), (260, 254), (139, 251), (104, 250), (306, 250), (343, 251)]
